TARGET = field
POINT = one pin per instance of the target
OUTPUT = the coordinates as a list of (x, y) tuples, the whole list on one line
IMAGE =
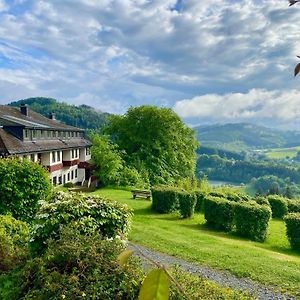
[(271, 263), (282, 153)]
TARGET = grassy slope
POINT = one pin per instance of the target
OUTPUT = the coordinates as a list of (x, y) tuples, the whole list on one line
[(282, 153), (270, 263)]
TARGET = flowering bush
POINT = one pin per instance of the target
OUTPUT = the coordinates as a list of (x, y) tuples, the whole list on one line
[(87, 213), (77, 266)]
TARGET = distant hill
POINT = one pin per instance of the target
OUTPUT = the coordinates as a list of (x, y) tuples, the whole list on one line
[(243, 136), (82, 116)]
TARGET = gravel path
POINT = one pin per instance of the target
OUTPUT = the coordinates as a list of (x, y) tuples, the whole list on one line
[(220, 277)]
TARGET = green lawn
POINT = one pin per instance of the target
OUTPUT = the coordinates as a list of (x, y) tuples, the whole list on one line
[(271, 263), (282, 153)]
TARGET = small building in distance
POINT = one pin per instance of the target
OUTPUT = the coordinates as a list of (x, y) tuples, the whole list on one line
[(62, 149)]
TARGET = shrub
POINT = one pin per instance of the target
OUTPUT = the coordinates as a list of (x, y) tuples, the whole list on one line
[(88, 213), (22, 185), (292, 221), (293, 205), (278, 205), (187, 202), (164, 199), (262, 200), (78, 267), (219, 213), (69, 185), (252, 220), (200, 197), (14, 237)]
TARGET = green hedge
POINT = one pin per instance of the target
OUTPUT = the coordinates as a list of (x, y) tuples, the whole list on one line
[(293, 205), (262, 200), (164, 199), (187, 202), (279, 206), (219, 213), (292, 221), (22, 185), (252, 220), (14, 238), (88, 213), (200, 196)]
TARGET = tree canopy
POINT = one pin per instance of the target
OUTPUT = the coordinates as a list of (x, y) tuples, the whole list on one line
[(156, 140)]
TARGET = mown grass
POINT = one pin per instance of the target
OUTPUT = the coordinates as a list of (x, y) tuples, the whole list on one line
[(271, 263), (282, 153)]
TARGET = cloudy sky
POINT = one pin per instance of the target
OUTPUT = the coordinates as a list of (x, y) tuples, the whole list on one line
[(211, 61)]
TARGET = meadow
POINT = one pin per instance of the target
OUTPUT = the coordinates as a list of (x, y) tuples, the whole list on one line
[(271, 263), (282, 153)]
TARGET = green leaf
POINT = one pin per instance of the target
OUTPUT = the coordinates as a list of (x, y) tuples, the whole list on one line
[(156, 286), (123, 257)]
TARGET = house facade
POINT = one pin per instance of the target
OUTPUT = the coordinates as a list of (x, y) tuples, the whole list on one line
[(62, 149)]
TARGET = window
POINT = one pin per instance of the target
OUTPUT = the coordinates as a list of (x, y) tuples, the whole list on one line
[(68, 176), (26, 133), (58, 155), (64, 178), (34, 134), (49, 134), (77, 152), (72, 174), (76, 173), (53, 157), (54, 180), (32, 157), (59, 180), (87, 151)]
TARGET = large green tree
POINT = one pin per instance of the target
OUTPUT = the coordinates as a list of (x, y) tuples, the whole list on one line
[(156, 140)]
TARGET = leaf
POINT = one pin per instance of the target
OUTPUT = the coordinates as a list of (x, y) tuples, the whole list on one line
[(156, 286), (297, 69), (123, 257)]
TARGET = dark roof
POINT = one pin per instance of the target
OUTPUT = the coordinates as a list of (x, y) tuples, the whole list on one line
[(11, 116), (9, 144)]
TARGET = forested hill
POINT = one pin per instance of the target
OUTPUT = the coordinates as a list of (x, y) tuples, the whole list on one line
[(243, 136), (82, 116)]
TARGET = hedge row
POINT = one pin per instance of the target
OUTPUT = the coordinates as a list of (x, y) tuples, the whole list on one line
[(252, 220), (278, 205), (219, 213), (249, 218), (292, 221), (293, 206), (166, 199)]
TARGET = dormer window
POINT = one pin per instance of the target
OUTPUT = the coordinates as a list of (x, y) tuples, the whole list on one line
[(33, 133), (26, 133)]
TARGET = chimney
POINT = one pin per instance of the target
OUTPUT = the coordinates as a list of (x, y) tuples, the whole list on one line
[(24, 109), (52, 116)]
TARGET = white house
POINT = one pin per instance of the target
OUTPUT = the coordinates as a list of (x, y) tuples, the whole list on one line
[(62, 149)]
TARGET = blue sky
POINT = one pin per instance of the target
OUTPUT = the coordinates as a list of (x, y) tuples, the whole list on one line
[(211, 61)]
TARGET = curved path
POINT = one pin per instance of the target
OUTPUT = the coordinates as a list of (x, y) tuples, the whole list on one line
[(220, 277)]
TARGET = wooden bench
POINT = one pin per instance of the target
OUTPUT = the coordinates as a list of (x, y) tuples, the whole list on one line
[(141, 194)]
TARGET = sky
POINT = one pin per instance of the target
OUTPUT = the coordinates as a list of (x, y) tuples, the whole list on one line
[(215, 61)]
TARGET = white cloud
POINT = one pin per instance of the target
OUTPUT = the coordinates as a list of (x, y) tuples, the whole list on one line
[(3, 6), (130, 52), (257, 105)]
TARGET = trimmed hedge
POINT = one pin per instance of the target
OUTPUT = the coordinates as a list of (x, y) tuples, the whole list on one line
[(262, 200), (164, 199), (292, 221), (279, 206), (293, 205), (252, 220), (187, 202), (219, 213), (200, 196)]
